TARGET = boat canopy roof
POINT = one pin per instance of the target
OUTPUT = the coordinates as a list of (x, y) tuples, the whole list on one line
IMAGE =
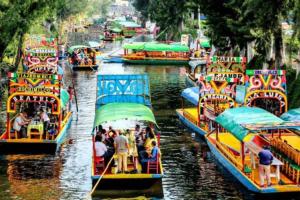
[(196, 63), (152, 46), (121, 111), (64, 98), (205, 44), (191, 94), (73, 48), (242, 120), (125, 88), (291, 115), (116, 30), (129, 24)]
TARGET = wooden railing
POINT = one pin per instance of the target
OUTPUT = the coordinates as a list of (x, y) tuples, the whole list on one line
[(229, 155), (190, 117)]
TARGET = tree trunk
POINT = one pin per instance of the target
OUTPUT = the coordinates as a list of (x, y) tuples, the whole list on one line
[(278, 43), (19, 51)]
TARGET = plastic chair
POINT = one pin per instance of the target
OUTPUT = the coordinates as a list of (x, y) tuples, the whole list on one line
[(99, 163), (153, 165)]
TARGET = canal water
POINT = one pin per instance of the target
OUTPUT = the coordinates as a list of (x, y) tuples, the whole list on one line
[(191, 172)]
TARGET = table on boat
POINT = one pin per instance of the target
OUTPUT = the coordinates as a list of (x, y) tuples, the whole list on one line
[(254, 150), (39, 126)]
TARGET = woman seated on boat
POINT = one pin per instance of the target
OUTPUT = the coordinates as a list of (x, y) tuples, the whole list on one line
[(147, 148), (150, 156), (20, 124), (151, 137), (101, 150)]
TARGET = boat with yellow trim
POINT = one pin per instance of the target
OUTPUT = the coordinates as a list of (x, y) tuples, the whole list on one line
[(216, 92), (123, 101), (151, 53), (38, 111), (82, 57), (240, 134)]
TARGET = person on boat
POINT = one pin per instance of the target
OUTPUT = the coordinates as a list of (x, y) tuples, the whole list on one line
[(140, 139), (150, 156), (137, 129), (149, 140), (148, 132), (121, 148), (45, 119), (20, 124), (265, 161), (100, 148)]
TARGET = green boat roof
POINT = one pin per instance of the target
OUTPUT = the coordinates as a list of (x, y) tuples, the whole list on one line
[(205, 44), (242, 120), (134, 46), (151, 46), (121, 111), (116, 30)]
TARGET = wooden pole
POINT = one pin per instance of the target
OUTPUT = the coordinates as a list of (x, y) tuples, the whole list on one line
[(100, 178)]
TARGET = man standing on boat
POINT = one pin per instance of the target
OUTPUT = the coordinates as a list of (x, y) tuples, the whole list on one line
[(265, 161), (122, 148)]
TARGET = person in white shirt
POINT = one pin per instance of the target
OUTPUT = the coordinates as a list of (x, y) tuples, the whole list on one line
[(100, 147), (19, 124), (45, 119)]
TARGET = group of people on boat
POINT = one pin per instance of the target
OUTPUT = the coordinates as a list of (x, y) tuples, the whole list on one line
[(137, 145), (29, 117), (83, 57)]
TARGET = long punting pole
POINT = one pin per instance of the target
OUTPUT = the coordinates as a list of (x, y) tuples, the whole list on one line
[(100, 178), (75, 96)]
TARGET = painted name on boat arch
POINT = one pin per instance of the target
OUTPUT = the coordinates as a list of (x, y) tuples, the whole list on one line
[(18, 98), (264, 94), (218, 97)]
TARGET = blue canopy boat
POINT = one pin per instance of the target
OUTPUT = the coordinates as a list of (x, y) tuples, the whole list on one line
[(122, 102)]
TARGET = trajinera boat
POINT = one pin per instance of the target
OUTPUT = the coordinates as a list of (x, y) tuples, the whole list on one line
[(156, 53), (217, 90), (123, 101), (38, 106), (82, 57), (241, 133)]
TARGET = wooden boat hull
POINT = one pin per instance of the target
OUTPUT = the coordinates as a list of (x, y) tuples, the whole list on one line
[(24, 146), (130, 185), (190, 124), (244, 179), (84, 67), (156, 62)]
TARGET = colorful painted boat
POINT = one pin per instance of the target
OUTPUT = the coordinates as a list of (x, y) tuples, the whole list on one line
[(39, 86), (82, 57), (155, 54), (216, 92), (267, 89), (122, 102), (241, 133)]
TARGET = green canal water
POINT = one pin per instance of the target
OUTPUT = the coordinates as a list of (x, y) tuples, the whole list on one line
[(190, 170)]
